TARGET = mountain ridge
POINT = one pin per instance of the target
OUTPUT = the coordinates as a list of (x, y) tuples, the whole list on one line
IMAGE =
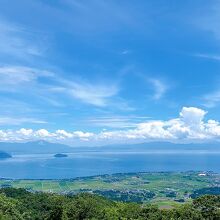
[(42, 146)]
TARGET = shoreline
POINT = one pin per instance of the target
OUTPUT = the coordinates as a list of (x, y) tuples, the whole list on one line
[(113, 174)]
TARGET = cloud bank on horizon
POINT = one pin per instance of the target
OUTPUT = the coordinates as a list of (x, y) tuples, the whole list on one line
[(99, 72), (190, 126)]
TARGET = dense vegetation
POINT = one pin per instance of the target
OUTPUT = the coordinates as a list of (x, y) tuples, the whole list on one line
[(18, 204)]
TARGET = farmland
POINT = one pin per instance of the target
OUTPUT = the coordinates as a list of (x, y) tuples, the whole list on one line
[(162, 188)]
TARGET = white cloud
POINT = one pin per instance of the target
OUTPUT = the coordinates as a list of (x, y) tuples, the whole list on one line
[(188, 127), (83, 135), (25, 132), (64, 134), (43, 133), (192, 116)]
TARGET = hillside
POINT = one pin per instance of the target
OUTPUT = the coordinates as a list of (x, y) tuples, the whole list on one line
[(22, 205)]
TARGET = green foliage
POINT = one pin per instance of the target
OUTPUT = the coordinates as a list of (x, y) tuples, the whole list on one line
[(208, 206), (38, 205), (205, 191), (9, 208), (184, 212), (86, 206), (18, 204)]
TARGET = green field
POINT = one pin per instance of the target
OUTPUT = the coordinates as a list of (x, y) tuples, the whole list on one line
[(164, 188)]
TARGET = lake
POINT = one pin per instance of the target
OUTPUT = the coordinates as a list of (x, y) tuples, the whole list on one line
[(45, 166)]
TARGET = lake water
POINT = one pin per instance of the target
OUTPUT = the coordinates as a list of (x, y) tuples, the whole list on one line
[(94, 163)]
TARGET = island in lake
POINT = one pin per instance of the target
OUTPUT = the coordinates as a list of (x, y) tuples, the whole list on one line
[(4, 155), (60, 155)]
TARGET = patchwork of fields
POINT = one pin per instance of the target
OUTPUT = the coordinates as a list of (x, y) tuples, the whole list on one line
[(163, 188)]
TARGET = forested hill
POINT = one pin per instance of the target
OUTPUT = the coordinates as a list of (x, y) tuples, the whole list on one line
[(18, 204)]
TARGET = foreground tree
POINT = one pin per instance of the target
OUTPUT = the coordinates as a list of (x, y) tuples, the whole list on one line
[(208, 206), (9, 209), (18, 204)]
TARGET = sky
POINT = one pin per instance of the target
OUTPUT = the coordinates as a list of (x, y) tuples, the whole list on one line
[(93, 72)]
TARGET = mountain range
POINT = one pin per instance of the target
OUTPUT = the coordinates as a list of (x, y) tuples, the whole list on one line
[(43, 147), (34, 147)]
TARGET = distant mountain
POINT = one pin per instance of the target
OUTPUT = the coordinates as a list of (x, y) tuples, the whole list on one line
[(42, 147), (156, 146), (39, 147)]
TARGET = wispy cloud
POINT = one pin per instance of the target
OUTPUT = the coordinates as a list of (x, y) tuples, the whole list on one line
[(87, 92), (97, 95), (125, 52), (160, 88), (116, 121), (101, 16), (19, 42), (208, 56), (21, 74), (207, 18), (212, 99), (19, 78), (20, 121)]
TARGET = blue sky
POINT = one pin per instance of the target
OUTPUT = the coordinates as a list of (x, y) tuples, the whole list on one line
[(82, 72)]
